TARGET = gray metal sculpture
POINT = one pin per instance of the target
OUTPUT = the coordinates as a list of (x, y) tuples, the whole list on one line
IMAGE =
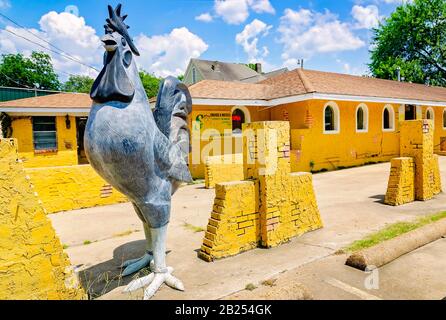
[(140, 153)]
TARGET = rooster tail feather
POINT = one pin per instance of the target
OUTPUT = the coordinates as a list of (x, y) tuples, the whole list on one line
[(172, 110)]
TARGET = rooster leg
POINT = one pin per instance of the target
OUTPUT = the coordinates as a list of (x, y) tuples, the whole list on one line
[(134, 265), (161, 274)]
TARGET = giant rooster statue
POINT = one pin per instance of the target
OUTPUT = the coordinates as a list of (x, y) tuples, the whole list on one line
[(140, 153)]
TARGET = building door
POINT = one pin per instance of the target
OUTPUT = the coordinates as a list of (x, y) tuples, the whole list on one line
[(410, 112), (81, 122)]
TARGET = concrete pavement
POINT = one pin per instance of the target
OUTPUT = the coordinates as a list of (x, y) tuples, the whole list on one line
[(351, 205)]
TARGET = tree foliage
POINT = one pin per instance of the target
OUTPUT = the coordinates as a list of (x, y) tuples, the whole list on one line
[(412, 39), (16, 70), (80, 84), (150, 83)]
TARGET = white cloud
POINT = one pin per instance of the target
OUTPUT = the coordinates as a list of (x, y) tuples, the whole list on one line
[(5, 4), (161, 54), (65, 31), (304, 33), (260, 6), (249, 38), (169, 54), (204, 17), (366, 17), (237, 11)]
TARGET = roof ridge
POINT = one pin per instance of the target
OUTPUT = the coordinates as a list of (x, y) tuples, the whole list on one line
[(305, 81)]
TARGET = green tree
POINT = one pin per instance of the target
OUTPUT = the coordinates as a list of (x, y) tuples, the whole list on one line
[(36, 70), (150, 83), (80, 84), (412, 39)]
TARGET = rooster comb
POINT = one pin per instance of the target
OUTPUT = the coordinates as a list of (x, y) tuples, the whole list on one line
[(115, 23)]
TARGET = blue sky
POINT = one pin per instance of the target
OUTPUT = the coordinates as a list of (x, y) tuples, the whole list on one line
[(329, 35)]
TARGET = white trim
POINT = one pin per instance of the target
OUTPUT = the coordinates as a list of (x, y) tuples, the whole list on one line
[(337, 118), (245, 111), (315, 96), (365, 110), (433, 114), (45, 111), (231, 102), (391, 118), (247, 102), (247, 118)]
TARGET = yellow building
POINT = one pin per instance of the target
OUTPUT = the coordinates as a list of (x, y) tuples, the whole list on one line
[(336, 120)]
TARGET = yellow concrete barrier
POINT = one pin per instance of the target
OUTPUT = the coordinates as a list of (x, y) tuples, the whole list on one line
[(416, 143), (228, 167), (32, 262), (72, 187), (401, 186), (270, 207)]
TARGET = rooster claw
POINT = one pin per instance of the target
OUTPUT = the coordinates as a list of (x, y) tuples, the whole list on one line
[(134, 265), (154, 282)]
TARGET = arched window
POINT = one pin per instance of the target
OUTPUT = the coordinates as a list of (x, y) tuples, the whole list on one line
[(331, 118), (430, 115), (238, 119), (388, 118), (444, 118), (362, 118)]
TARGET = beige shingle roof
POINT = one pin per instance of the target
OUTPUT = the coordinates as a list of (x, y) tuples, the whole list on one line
[(292, 83), (58, 100), (215, 89), (302, 81)]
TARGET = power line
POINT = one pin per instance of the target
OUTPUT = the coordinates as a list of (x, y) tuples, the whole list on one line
[(9, 78), (62, 53)]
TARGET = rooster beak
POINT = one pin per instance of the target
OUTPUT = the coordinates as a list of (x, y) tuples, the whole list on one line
[(109, 43)]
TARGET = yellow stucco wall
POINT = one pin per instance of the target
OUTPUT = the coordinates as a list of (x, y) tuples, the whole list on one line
[(208, 124), (72, 187), (32, 262), (328, 151), (66, 143)]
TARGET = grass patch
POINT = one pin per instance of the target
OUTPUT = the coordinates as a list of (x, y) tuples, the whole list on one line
[(65, 246), (392, 231), (87, 242), (125, 233), (193, 228), (269, 282), (250, 287)]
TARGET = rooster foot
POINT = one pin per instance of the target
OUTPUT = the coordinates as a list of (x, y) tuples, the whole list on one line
[(153, 282), (134, 265)]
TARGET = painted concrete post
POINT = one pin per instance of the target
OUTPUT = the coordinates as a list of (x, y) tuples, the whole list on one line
[(416, 175), (270, 207)]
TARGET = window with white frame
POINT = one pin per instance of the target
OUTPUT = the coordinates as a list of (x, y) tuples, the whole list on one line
[(44, 133), (239, 115), (331, 118), (362, 118), (388, 118), (430, 115)]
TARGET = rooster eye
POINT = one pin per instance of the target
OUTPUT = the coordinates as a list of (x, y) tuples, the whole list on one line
[(124, 43), (127, 58)]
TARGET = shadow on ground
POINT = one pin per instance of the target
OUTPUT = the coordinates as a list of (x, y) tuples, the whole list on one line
[(379, 197), (102, 278)]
